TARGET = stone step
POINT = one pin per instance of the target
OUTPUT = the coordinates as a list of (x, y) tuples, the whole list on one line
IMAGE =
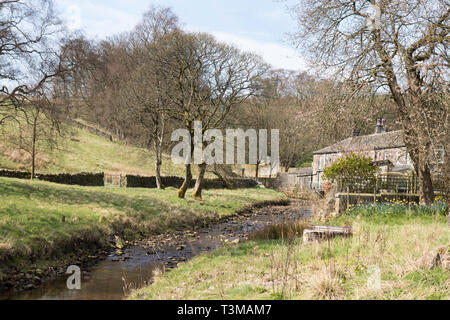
[(317, 233)]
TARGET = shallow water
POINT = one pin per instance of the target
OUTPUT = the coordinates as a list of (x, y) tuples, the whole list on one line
[(112, 278)]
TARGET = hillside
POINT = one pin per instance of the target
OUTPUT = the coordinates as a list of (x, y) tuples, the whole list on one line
[(81, 151)]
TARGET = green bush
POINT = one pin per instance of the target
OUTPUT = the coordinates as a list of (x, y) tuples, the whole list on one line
[(349, 168)]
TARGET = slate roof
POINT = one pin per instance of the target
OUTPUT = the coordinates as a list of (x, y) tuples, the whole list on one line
[(375, 141)]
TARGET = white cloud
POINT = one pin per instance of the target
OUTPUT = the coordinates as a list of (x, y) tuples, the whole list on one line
[(278, 55), (98, 20)]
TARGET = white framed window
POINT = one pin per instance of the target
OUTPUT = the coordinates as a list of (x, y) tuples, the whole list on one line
[(398, 156), (385, 155), (439, 154)]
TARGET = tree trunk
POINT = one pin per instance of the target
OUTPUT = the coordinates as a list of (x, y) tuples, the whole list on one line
[(422, 139), (426, 189), (33, 149), (187, 169), (187, 181), (198, 184), (158, 163), (421, 164), (159, 183), (222, 176), (409, 130)]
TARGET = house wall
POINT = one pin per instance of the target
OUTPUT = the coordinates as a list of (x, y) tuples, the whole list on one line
[(289, 180), (304, 182), (398, 156)]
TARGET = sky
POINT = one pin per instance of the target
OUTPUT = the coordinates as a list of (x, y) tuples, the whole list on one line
[(259, 26)]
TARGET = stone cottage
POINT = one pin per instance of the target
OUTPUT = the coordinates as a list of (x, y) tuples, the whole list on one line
[(387, 149)]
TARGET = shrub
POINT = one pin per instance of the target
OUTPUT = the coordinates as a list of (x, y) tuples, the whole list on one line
[(351, 171)]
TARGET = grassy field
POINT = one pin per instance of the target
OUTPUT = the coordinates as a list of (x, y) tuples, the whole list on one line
[(32, 227), (82, 151), (400, 249)]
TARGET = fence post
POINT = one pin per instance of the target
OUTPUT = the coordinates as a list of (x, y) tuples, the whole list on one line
[(415, 182), (348, 197), (375, 195)]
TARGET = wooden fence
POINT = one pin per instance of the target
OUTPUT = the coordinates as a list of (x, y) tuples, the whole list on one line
[(387, 183)]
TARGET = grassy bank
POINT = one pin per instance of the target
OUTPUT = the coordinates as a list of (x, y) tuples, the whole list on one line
[(399, 248), (81, 151), (32, 213)]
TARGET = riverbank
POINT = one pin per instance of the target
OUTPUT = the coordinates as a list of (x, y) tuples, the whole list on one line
[(115, 277), (386, 258), (45, 227)]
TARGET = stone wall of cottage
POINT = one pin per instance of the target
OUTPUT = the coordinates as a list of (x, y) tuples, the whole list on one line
[(398, 156)]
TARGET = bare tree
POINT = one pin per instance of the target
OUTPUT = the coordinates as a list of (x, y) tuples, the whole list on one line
[(76, 87), (144, 92), (146, 110), (28, 31), (117, 84), (399, 45), (210, 79), (277, 107), (311, 113), (35, 124), (30, 64)]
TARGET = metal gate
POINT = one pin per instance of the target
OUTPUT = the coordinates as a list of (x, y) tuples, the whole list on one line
[(115, 180)]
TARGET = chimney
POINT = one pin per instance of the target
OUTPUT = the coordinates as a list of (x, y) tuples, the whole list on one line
[(381, 126)]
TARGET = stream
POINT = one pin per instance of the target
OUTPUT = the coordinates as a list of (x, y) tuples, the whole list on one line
[(114, 277)]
